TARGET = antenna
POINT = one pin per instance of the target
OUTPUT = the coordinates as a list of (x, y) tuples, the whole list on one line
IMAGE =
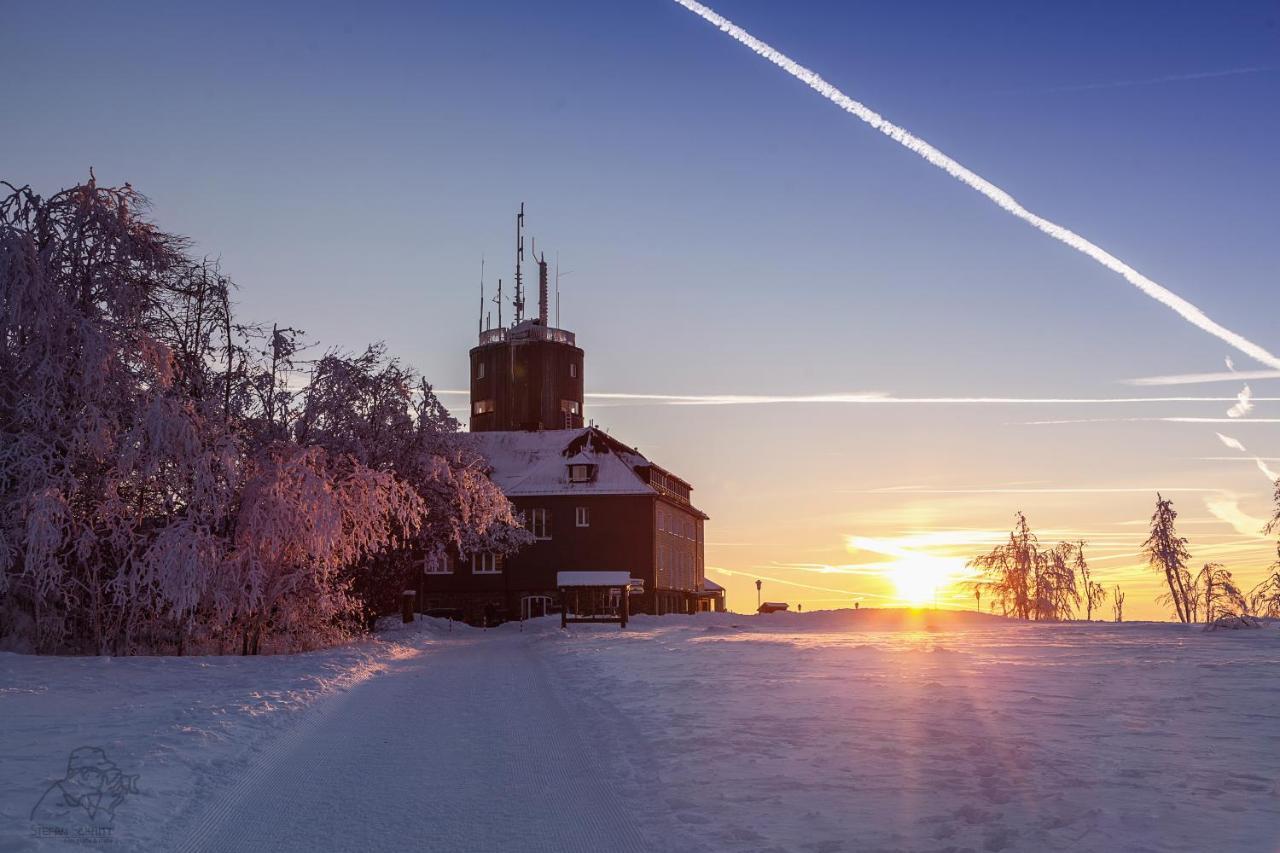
[(542, 288), (497, 300), (557, 290), (519, 300), (480, 322)]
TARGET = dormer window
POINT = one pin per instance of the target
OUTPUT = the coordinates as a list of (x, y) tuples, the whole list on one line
[(579, 473)]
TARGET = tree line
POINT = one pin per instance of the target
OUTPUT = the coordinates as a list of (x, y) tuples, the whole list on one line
[(175, 479), (1029, 581)]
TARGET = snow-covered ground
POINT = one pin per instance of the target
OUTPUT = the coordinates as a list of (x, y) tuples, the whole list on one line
[(817, 732)]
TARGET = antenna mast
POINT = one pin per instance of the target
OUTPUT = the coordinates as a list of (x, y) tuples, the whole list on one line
[(480, 321), (497, 300), (519, 300), (557, 290)]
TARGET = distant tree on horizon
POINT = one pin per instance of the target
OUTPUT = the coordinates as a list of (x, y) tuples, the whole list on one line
[(1094, 592), (1117, 604), (1215, 593), (1028, 581), (1167, 552), (1264, 599)]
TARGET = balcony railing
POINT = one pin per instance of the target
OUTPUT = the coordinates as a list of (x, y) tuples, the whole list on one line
[(527, 332)]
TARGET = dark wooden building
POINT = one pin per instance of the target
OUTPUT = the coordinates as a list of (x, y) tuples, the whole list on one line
[(593, 503)]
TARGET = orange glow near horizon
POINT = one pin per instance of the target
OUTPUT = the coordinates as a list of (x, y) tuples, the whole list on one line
[(919, 579)]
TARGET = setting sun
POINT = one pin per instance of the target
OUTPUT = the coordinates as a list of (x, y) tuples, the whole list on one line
[(918, 579)]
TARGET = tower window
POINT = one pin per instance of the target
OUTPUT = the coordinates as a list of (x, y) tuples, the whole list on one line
[(573, 370), (480, 370), (582, 516), (481, 407), (569, 407)]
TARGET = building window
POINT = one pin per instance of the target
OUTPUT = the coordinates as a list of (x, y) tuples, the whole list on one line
[(437, 564), (662, 520), (581, 473), (573, 370), (582, 516), (540, 523), (569, 407), (480, 370), (487, 563), (481, 407)]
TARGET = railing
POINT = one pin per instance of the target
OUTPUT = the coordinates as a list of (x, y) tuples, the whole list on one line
[(527, 332)]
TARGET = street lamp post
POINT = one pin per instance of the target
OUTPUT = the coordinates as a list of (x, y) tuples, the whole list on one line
[(758, 602)]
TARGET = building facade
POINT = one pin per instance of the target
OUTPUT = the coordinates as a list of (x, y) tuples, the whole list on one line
[(592, 503)]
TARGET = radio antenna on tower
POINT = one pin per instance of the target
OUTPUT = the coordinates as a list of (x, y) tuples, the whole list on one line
[(480, 321), (497, 300), (519, 300)]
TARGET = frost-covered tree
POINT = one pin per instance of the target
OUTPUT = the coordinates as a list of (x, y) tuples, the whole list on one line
[(1167, 553), (166, 483), (1214, 594), (1117, 604), (1094, 592), (1028, 581), (1264, 599)]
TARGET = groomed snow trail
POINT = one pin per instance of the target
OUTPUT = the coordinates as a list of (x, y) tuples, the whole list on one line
[(465, 747)]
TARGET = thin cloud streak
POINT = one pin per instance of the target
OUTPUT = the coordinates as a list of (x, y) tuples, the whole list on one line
[(1199, 378), (867, 398), (1149, 81), (1002, 199), (1083, 490), (1169, 420)]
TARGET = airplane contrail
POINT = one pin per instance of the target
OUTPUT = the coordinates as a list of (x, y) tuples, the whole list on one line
[(913, 143), (1198, 378), (864, 398)]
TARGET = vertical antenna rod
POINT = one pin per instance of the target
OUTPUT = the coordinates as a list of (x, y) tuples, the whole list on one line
[(519, 300), (542, 288), (497, 300), (480, 321)]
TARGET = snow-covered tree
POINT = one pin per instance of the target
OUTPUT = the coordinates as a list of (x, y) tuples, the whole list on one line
[(165, 485), (1028, 581), (1167, 552)]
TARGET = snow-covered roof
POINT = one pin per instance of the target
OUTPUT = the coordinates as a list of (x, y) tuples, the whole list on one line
[(537, 463), (711, 586), (593, 578)]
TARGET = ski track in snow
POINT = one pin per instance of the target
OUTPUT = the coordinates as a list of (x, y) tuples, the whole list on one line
[(684, 734)]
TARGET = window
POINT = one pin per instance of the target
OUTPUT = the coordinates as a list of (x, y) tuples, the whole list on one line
[(581, 473), (569, 407), (540, 523), (481, 407), (437, 564), (573, 371), (662, 520), (480, 370), (582, 516), (487, 563)]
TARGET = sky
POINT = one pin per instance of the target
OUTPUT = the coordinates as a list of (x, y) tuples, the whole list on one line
[(722, 230)]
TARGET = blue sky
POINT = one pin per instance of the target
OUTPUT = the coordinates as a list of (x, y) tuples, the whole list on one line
[(727, 230)]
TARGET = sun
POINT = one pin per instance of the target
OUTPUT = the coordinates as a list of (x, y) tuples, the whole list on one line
[(918, 579)]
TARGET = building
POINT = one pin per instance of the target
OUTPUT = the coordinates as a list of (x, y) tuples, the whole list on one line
[(592, 502)]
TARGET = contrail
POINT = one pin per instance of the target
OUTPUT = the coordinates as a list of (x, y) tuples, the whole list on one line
[(1198, 378), (1182, 307), (863, 398), (1149, 81), (1244, 404)]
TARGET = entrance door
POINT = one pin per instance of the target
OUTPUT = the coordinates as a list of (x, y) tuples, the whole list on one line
[(533, 606)]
